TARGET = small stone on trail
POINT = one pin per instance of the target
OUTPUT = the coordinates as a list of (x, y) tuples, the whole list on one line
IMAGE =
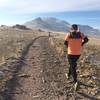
[(24, 75)]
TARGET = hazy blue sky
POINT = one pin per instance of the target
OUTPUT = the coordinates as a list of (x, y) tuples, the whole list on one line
[(73, 11)]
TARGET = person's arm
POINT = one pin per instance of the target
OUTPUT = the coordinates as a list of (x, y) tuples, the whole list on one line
[(85, 40), (66, 43), (66, 40)]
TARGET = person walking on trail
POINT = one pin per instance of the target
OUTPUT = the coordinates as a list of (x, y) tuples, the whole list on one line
[(74, 40)]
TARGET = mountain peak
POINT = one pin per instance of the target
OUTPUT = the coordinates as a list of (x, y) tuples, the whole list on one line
[(57, 25), (38, 19)]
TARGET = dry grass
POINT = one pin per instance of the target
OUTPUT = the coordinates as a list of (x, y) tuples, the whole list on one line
[(94, 41), (12, 43)]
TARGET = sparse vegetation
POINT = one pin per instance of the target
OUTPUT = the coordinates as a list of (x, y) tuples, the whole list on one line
[(13, 43), (21, 27)]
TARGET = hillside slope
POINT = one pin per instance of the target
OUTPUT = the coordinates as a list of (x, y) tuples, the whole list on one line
[(40, 75)]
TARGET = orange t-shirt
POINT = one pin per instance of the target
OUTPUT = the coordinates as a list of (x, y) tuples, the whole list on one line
[(74, 44)]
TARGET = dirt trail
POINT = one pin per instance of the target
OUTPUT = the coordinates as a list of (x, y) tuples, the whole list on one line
[(41, 76), (35, 80)]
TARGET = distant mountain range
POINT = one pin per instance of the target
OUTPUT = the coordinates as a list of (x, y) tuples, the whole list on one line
[(56, 25)]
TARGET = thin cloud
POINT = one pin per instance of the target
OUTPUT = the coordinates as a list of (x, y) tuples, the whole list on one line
[(40, 6)]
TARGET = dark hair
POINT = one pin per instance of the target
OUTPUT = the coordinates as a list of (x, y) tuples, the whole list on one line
[(74, 26)]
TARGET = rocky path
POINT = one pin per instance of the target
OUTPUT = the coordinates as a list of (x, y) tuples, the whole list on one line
[(42, 77)]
